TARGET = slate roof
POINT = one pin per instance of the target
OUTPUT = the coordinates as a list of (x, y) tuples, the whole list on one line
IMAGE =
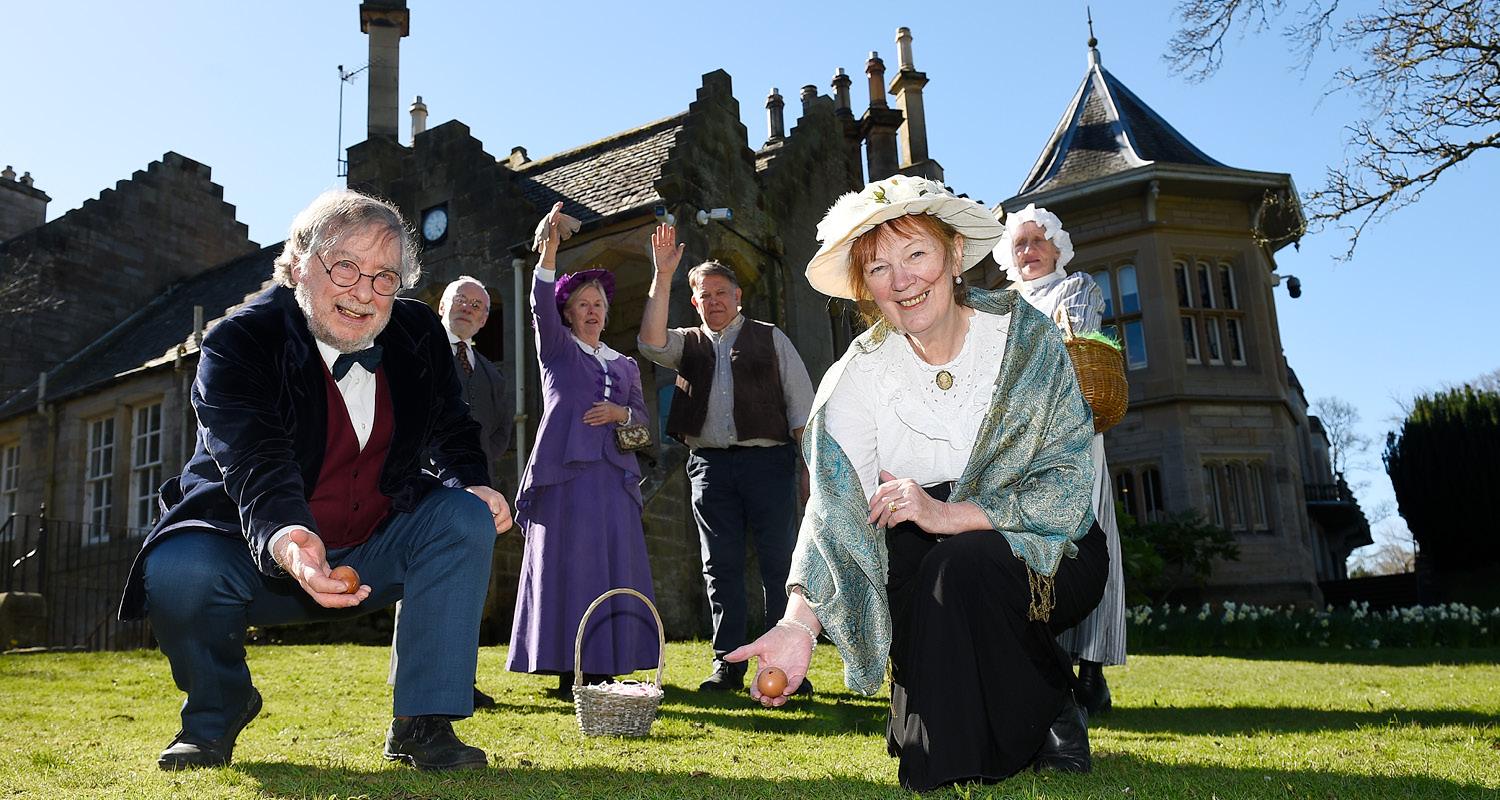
[(603, 177), (1107, 129), (150, 336)]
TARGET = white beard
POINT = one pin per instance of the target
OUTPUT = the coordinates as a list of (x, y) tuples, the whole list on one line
[(322, 332)]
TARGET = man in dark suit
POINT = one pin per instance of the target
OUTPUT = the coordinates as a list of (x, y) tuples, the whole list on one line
[(319, 403), (464, 309)]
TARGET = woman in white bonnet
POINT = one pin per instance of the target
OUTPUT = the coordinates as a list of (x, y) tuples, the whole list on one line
[(1034, 250)]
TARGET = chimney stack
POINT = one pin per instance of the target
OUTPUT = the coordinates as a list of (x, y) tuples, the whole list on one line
[(22, 205), (878, 127), (418, 118), (907, 87), (386, 22), (809, 96), (775, 117)]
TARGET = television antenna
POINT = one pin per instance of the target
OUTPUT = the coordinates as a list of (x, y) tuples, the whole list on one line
[(344, 77)]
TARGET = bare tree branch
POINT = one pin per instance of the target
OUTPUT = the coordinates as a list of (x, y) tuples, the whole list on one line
[(1427, 72)]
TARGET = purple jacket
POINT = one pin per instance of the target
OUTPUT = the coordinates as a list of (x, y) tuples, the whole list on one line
[(572, 381)]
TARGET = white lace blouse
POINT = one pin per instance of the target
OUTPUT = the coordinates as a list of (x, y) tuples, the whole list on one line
[(889, 411)]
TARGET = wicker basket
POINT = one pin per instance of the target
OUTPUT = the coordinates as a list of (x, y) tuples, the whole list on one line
[(1101, 375), (604, 709)]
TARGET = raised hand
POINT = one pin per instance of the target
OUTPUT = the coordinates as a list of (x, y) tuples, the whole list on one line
[(551, 231), (666, 253)]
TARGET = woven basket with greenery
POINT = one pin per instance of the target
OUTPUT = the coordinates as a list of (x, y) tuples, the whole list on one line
[(1100, 367), (617, 708)]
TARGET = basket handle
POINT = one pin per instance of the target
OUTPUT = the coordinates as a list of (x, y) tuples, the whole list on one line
[(1060, 316), (661, 634)]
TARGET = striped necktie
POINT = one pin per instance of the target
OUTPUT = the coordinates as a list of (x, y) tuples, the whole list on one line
[(462, 349)]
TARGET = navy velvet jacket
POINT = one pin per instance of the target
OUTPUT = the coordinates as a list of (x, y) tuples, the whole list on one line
[(262, 427)]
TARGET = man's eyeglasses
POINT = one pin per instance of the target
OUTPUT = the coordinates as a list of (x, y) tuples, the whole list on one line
[(346, 273)]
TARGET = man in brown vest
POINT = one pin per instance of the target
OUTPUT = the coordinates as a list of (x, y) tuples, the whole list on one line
[(743, 396)]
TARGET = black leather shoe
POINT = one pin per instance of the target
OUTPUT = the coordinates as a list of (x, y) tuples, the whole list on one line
[(726, 677), (191, 752), (805, 689), (1093, 690), (428, 743), (1066, 748), (482, 700)]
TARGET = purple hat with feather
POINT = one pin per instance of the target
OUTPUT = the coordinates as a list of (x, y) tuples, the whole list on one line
[(567, 284)]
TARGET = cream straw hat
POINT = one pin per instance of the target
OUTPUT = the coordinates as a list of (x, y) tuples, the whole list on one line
[(858, 212)]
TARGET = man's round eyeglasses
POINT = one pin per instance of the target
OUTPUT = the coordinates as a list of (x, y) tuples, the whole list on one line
[(346, 273)]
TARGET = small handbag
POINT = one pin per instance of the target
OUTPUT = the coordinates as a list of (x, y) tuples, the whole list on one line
[(632, 437)]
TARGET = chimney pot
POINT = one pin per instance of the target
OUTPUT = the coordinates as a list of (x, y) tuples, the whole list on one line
[(875, 72), (775, 116), (518, 157), (8, 173), (418, 118), (840, 84), (903, 48), (26, 179)]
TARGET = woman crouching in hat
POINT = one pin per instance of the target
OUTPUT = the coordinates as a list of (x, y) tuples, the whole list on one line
[(949, 527), (579, 502)]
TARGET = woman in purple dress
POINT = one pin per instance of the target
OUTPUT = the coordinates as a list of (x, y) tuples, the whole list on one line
[(579, 502)]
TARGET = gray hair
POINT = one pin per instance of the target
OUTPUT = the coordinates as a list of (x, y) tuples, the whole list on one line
[(335, 214), (696, 275), (452, 290), (576, 289)]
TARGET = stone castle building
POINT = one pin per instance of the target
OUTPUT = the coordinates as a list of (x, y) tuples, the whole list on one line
[(99, 358), (1184, 249)]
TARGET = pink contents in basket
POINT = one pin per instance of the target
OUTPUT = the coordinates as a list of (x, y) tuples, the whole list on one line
[(630, 689)]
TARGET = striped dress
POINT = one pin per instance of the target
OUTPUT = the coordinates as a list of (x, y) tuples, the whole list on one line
[(1101, 636)]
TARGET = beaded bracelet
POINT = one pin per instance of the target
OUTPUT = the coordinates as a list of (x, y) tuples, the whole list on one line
[(803, 626)]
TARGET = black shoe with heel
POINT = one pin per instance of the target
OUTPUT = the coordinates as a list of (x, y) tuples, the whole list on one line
[(1093, 690), (1066, 747)]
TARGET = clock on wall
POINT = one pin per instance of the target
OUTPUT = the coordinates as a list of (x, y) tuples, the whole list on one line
[(435, 224)]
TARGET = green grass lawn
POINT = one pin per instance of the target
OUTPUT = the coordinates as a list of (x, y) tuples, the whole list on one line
[(1306, 724)]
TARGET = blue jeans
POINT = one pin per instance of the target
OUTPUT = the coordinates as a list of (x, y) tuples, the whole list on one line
[(732, 488), (203, 591)]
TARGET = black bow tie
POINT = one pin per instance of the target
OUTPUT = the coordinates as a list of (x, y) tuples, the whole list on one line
[(369, 358)]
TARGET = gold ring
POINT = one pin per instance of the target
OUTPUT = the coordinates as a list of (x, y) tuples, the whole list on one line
[(891, 506)]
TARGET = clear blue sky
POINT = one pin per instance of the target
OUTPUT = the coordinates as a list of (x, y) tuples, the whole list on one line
[(96, 90)]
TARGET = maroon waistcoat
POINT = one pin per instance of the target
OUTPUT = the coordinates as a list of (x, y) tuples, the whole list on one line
[(346, 502)]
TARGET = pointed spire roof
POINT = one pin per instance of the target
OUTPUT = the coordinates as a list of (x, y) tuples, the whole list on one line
[(1107, 129)]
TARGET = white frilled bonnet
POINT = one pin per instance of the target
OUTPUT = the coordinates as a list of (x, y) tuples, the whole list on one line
[(1049, 223)]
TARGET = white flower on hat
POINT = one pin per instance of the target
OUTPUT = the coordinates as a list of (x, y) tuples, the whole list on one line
[(1051, 226), (856, 213)]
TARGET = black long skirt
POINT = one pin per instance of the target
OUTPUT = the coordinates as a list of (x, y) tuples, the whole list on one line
[(975, 685)]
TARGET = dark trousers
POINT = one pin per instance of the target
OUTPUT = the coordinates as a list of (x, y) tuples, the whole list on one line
[(975, 684), (734, 488), (203, 591)]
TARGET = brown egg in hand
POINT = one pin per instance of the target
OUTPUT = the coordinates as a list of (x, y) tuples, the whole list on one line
[(771, 682), (348, 576)]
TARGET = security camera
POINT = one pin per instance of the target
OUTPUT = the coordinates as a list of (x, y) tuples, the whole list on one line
[(720, 214), (662, 215)]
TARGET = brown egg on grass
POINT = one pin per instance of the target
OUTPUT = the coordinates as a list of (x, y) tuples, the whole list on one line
[(348, 576), (771, 682)]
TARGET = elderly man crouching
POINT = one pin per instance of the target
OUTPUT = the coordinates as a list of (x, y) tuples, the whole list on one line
[(318, 404)]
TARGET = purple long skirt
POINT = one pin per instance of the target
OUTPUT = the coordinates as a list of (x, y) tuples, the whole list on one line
[(583, 538)]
